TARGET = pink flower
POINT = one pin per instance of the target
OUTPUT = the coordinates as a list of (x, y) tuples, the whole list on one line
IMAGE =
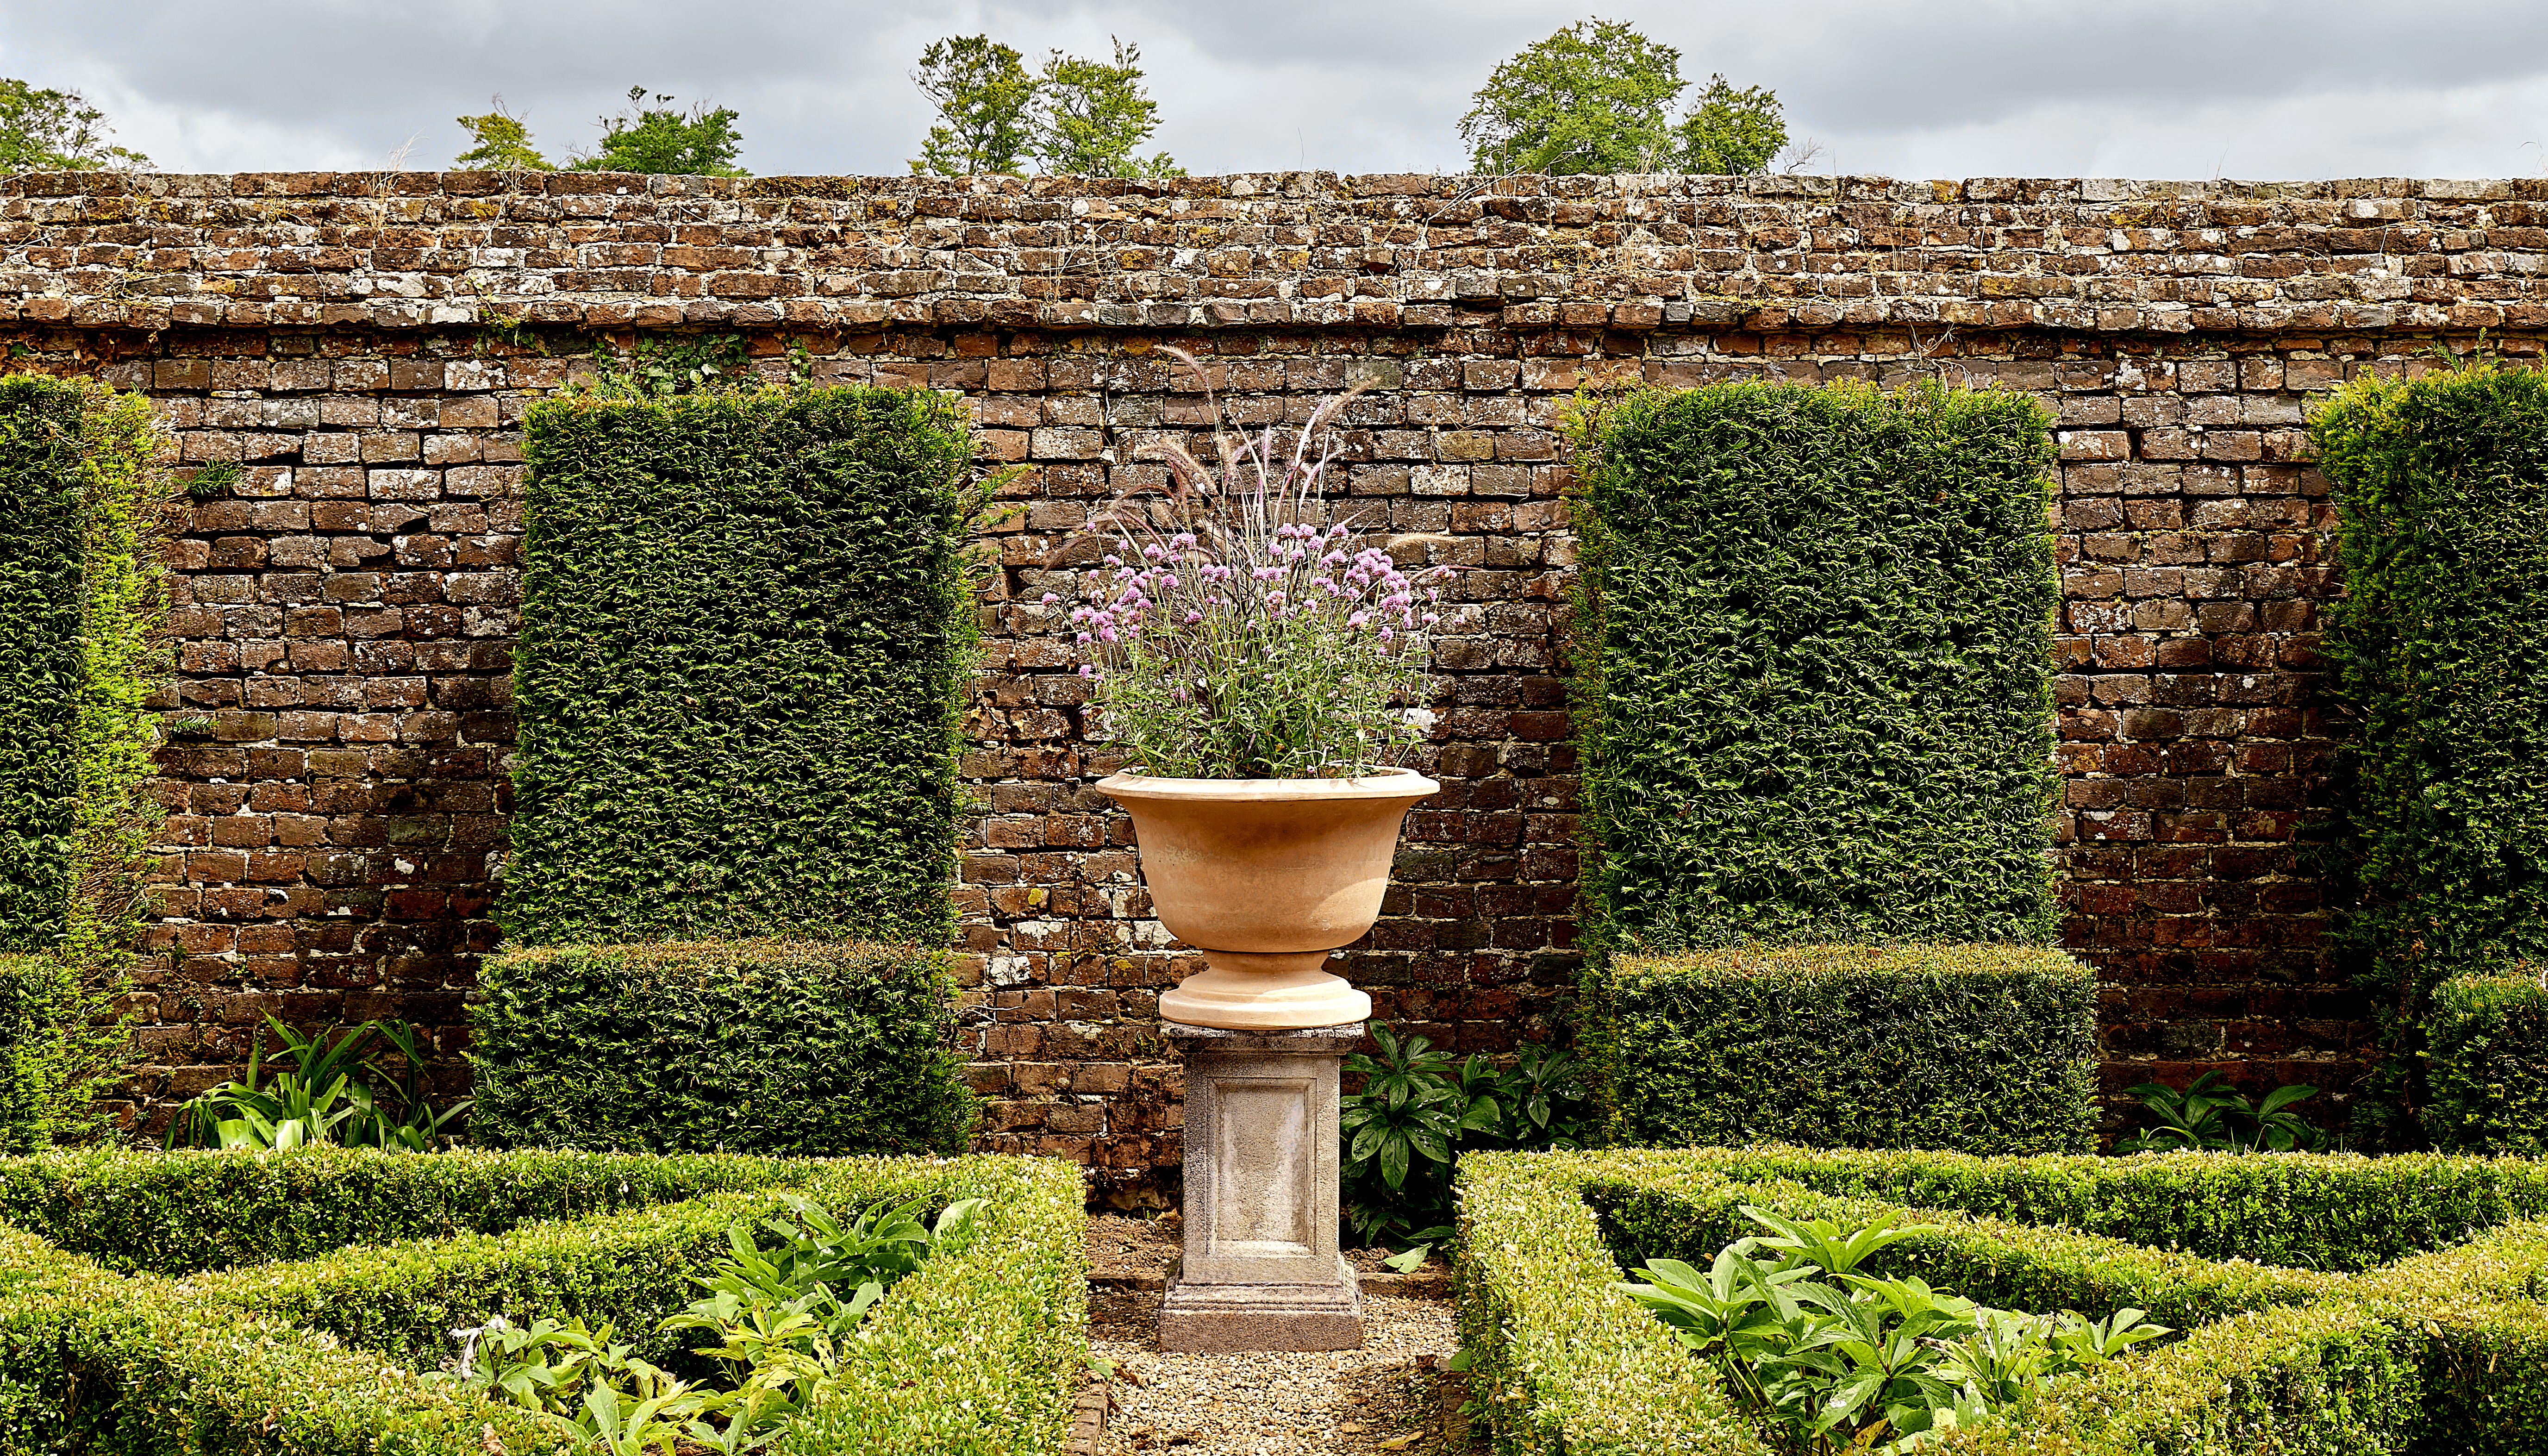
[(1358, 619), (1086, 670), (1114, 561), (1049, 598), (1386, 634)]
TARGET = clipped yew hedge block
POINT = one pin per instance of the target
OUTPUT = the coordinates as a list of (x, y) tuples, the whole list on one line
[(1813, 641), (147, 1303), (784, 1047), (2329, 1303), (1975, 1049), (2487, 1065), (745, 630)]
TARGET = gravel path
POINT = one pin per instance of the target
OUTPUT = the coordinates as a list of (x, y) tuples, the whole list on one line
[(1381, 1398)]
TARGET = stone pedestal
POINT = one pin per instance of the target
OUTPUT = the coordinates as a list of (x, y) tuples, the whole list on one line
[(1261, 1270)]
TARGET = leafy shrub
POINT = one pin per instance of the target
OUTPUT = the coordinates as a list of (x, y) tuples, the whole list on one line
[(2209, 1114), (1417, 1111), (2441, 490), (745, 629), (1867, 1363), (1982, 1048), (334, 1093), (773, 1046), (2487, 1057), (976, 1350), (780, 1316), (2440, 1350), (1813, 645)]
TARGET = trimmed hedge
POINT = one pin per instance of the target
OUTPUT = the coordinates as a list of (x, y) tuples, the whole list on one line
[(83, 509), (2441, 484), (744, 631), (1978, 1049), (185, 1212), (980, 1351), (790, 1047), (2402, 1357), (2487, 1065), (1813, 646)]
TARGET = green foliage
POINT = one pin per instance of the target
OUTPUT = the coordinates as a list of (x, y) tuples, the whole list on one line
[(746, 628), (2441, 490), (659, 367), (699, 142), (1089, 118), (1596, 96), (49, 130), (1982, 1048), (1418, 1109), (2438, 1351), (1868, 1363), (1813, 653), (982, 91), (501, 142), (179, 1213), (84, 510), (2208, 1114), (334, 1093), (2487, 1065), (209, 480), (1732, 132), (56, 1036), (83, 591), (773, 1047), (976, 1351)]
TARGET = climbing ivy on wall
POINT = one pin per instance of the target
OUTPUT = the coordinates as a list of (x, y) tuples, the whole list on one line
[(1813, 648), (745, 625), (2441, 484)]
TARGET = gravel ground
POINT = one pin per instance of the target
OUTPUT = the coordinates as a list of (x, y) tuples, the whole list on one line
[(1381, 1398)]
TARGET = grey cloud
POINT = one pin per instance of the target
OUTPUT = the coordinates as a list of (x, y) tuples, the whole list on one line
[(1966, 88)]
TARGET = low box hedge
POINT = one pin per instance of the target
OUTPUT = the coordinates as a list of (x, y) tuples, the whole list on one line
[(787, 1048), (1979, 1048), (978, 1352), (2412, 1355), (2486, 1074)]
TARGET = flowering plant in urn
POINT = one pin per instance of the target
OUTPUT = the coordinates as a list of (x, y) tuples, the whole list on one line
[(1250, 645)]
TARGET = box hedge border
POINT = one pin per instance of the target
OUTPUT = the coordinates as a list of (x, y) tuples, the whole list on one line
[(979, 1351), (2303, 1360), (2486, 1064)]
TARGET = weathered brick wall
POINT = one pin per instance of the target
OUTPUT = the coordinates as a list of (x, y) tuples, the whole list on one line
[(364, 345)]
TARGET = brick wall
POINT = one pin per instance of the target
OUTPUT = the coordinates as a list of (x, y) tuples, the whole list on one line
[(363, 346)]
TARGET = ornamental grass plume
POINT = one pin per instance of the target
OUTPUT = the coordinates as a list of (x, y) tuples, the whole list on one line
[(1234, 631)]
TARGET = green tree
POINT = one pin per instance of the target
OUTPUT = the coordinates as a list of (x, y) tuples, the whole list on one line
[(44, 131), (504, 145), (1597, 95), (1732, 132), (1088, 117), (982, 91), (698, 142)]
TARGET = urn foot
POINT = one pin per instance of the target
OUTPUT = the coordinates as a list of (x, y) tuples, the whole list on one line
[(1246, 992)]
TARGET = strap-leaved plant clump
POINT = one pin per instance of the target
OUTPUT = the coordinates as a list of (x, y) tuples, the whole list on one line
[(1236, 631)]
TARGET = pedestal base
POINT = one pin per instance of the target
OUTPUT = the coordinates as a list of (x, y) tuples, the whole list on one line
[(1220, 1319), (1261, 1270)]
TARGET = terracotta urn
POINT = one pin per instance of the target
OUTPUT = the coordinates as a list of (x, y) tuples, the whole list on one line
[(1266, 878)]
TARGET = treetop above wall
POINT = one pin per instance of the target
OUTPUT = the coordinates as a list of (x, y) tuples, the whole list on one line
[(1256, 250)]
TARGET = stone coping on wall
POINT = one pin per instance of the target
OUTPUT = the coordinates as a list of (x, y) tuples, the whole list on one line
[(615, 251)]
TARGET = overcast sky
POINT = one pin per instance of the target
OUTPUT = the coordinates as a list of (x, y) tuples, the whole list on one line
[(2255, 89)]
